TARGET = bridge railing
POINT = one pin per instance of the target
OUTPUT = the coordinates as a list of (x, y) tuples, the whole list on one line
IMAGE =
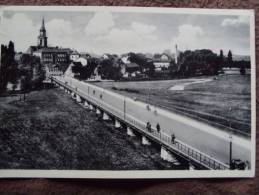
[(177, 145)]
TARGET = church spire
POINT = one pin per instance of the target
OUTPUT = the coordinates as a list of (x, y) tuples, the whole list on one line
[(42, 38), (42, 24)]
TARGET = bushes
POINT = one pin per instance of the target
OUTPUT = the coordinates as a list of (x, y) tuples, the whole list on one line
[(126, 89)]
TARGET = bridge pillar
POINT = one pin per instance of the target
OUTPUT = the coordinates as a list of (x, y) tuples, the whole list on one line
[(91, 107), (117, 124), (145, 141), (86, 104), (166, 155), (61, 87), (191, 167), (98, 111), (130, 132), (105, 116), (73, 95), (78, 98)]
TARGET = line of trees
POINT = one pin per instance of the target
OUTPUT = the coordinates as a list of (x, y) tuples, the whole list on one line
[(8, 67), (27, 70), (205, 62), (31, 72), (190, 63), (198, 62)]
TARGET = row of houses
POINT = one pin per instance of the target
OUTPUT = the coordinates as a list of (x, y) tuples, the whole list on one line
[(61, 59), (129, 69)]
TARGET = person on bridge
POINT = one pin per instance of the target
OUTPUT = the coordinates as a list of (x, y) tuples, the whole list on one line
[(173, 138), (148, 126), (158, 128)]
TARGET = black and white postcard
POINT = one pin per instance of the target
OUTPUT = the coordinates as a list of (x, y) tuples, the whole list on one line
[(126, 92)]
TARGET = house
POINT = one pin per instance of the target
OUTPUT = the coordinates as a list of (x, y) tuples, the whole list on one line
[(82, 60), (108, 56), (74, 56), (161, 61), (52, 55), (18, 57), (69, 72), (130, 70), (125, 58), (85, 55), (48, 55)]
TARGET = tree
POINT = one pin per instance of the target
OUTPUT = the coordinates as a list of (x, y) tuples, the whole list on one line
[(85, 72), (242, 69), (3, 68), (221, 58), (38, 73), (8, 67), (109, 70), (146, 66), (31, 72), (229, 59), (198, 62)]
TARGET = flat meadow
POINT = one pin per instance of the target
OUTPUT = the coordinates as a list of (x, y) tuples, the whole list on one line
[(223, 101)]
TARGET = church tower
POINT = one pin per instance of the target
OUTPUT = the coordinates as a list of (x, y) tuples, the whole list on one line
[(42, 38)]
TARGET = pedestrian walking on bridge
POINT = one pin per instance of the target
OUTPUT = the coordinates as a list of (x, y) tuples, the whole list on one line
[(158, 128), (148, 127), (173, 138)]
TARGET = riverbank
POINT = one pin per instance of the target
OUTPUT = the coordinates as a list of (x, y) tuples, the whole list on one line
[(50, 131)]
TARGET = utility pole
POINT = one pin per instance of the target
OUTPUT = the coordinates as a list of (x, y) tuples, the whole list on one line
[(230, 150), (124, 108), (230, 140)]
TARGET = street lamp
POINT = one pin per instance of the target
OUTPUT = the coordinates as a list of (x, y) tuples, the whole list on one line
[(229, 116), (230, 150), (124, 108)]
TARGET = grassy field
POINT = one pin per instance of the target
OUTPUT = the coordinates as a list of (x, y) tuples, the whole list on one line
[(224, 102), (50, 131)]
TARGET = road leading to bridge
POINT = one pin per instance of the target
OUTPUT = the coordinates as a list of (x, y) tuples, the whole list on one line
[(209, 140)]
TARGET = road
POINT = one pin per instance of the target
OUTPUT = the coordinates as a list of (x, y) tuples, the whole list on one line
[(207, 139)]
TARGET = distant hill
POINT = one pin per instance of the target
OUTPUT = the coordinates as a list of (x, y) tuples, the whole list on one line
[(241, 57)]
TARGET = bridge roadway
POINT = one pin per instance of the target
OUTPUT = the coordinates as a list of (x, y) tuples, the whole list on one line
[(208, 140)]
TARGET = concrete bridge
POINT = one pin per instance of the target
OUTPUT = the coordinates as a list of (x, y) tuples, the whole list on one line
[(202, 145)]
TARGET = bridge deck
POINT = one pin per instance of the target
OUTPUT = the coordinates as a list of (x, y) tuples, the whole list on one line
[(162, 138)]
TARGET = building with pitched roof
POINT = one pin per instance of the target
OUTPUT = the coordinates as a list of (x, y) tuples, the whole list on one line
[(49, 55)]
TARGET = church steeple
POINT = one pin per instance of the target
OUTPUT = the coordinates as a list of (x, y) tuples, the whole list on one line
[(42, 38), (43, 25)]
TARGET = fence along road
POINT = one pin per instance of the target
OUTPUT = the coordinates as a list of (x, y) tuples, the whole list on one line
[(193, 134)]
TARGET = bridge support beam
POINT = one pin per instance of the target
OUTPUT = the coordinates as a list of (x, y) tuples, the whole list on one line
[(166, 155), (145, 141), (130, 132), (78, 98), (98, 111), (73, 95), (86, 104), (105, 116), (117, 124)]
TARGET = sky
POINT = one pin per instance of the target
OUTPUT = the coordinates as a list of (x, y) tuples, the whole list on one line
[(122, 32)]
